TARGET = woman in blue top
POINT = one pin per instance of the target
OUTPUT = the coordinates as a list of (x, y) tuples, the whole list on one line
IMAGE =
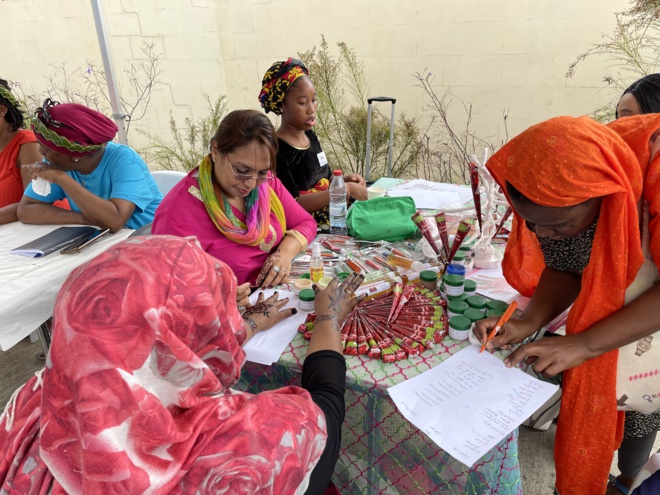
[(107, 184)]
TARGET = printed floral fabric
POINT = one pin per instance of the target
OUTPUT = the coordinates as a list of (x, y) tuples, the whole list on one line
[(563, 162), (135, 397)]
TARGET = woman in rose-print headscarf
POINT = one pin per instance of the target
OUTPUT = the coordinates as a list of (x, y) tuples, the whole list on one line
[(135, 397)]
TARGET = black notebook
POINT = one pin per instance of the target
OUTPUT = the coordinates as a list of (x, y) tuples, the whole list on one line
[(53, 241)]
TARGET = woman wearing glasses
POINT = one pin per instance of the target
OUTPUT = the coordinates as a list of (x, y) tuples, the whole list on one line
[(235, 206)]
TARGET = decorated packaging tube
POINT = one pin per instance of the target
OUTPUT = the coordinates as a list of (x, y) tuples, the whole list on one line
[(505, 217), (424, 228), (441, 222), (461, 233), (476, 197)]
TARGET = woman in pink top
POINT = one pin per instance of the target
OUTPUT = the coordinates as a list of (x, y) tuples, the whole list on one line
[(235, 206)]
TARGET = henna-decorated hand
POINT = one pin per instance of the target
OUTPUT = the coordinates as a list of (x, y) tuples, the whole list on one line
[(337, 300), (243, 296), (275, 270), (266, 313)]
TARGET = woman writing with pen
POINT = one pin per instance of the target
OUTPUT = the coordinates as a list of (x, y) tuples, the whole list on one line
[(579, 190)]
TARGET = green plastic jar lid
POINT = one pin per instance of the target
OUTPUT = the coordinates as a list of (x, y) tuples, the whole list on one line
[(496, 304), (465, 248), (457, 307), (470, 286), (462, 297), (453, 280), (307, 295), (477, 302), (474, 314), (460, 323), (305, 275), (459, 256), (341, 275), (428, 276), (493, 312)]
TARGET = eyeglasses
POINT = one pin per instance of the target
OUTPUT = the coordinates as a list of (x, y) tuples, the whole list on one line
[(245, 177)]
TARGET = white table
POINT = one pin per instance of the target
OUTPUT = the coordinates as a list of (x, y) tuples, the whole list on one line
[(28, 286)]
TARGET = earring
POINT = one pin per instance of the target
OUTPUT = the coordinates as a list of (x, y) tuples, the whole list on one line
[(76, 159)]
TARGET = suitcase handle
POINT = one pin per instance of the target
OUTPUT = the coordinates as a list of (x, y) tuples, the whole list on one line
[(381, 98)]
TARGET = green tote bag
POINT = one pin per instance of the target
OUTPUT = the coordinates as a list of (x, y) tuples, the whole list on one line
[(382, 219)]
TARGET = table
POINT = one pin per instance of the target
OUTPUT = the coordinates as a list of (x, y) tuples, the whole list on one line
[(381, 452), (28, 286)]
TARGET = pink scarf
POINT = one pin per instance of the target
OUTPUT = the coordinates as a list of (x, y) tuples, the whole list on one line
[(135, 396)]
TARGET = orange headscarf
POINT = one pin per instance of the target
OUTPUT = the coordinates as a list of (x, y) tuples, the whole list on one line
[(563, 162)]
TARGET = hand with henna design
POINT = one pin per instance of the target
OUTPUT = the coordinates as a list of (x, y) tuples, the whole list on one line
[(266, 313), (275, 270), (242, 296)]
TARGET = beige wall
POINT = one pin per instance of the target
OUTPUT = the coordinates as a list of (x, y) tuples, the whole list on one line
[(495, 54)]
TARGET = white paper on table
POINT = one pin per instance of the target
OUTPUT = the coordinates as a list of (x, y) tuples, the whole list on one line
[(443, 193), (470, 402), (428, 200), (266, 347)]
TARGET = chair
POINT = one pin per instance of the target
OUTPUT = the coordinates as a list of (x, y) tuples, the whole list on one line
[(167, 179)]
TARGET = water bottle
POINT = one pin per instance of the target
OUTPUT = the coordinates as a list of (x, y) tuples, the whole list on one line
[(338, 192)]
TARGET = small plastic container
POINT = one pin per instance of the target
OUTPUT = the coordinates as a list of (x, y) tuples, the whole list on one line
[(429, 279), (478, 303), (470, 287), (497, 305), (462, 297), (459, 259), (474, 314), (490, 313), (456, 308), (342, 276), (453, 284), (323, 283), (467, 251), (306, 297), (459, 327), (302, 284), (305, 275), (454, 269)]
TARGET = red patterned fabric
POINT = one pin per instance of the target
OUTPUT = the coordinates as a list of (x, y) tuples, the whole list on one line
[(136, 398)]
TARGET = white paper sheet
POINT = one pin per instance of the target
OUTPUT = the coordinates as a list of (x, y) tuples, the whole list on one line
[(432, 195), (267, 347), (470, 402)]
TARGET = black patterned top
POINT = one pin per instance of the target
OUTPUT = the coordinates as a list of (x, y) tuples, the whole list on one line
[(572, 255)]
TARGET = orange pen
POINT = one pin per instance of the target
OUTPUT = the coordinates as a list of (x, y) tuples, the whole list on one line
[(503, 319)]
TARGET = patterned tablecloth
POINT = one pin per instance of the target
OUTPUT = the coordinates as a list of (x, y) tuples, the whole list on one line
[(382, 453)]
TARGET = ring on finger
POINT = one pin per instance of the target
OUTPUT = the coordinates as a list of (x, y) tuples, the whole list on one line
[(276, 269)]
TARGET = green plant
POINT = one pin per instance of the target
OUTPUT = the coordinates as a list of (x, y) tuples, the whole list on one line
[(88, 87), (448, 147), (633, 51), (188, 145), (342, 90)]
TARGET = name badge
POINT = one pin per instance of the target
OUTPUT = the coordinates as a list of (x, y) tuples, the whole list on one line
[(322, 159)]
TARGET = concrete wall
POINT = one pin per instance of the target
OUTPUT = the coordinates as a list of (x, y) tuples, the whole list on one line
[(509, 54)]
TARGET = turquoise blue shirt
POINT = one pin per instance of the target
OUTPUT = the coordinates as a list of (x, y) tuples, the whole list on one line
[(122, 174)]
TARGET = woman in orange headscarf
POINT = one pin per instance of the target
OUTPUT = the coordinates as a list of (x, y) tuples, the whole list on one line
[(575, 186)]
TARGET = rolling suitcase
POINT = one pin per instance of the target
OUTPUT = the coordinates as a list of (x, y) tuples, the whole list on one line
[(391, 145)]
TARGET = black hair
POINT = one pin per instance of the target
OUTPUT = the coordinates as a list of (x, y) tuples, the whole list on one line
[(14, 115), (647, 93)]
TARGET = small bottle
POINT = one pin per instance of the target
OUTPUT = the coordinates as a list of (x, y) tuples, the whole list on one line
[(429, 279), (338, 193), (459, 327), (454, 285), (316, 264), (399, 261), (470, 287)]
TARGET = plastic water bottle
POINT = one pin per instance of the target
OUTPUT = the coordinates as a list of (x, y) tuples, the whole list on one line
[(338, 192)]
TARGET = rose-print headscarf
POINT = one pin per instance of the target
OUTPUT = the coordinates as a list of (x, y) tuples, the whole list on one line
[(563, 162), (136, 398)]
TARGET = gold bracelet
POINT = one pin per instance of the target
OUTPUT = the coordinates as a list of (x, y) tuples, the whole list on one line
[(302, 240)]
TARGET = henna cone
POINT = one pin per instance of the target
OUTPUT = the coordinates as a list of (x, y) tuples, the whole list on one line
[(506, 216), (476, 197), (423, 227), (441, 222)]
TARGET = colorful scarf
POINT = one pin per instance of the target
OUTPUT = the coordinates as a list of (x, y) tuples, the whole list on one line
[(72, 129), (277, 81), (258, 205), (563, 162), (135, 397)]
